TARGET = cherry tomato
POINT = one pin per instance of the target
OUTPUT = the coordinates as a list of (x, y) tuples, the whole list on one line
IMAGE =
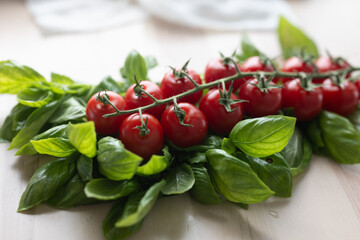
[(220, 120), (144, 146), (180, 135), (306, 104), (296, 64), (172, 86), (134, 101), (357, 84), (254, 64), (342, 101), (325, 64), (95, 110), (260, 103), (216, 69)]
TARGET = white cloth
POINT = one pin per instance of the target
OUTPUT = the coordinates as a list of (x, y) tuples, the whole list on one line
[(61, 16)]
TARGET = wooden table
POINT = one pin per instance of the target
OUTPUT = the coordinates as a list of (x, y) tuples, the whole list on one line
[(326, 199)]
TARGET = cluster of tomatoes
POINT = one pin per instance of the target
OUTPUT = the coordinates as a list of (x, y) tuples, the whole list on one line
[(186, 125)]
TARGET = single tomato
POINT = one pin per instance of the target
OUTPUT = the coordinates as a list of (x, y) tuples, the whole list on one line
[(144, 145), (254, 64), (184, 136), (325, 64), (295, 64), (95, 110), (219, 119)]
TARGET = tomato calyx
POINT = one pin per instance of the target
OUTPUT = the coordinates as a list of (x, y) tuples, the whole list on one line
[(180, 114), (267, 61), (138, 88), (144, 130), (338, 60), (225, 98), (307, 84), (339, 80), (263, 84), (105, 99), (229, 60)]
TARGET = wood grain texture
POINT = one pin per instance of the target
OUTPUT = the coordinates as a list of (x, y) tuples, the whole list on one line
[(326, 199)]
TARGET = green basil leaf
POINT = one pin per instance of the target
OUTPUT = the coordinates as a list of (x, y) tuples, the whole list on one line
[(33, 124), (228, 146), (151, 62), (108, 83), (261, 137), (15, 122), (61, 79), (115, 162), (313, 131), (273, 171), (134, 65), (203, 191), (70, 110), (139, 205), (179, 180), (156, 164), (58, 147), (248, 48), (84, 167), (196, 157), (210, 142), (235, 179), (83, 137), (45, 181), (106, 189), (15, 78), (297, 152), (115, 233), (341, 138), (355, 118), (35, 97), (293, 41), (71, 194)]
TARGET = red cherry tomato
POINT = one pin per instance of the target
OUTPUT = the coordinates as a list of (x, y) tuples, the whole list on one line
[(260, 103), (326, 64), (95, 111), (172, 86), (180, 135), (144, 146), (306, 104), (216, 69), (134, 101), (220, 120), (296, 64), (342, 101), (357, 84), (254, 64)]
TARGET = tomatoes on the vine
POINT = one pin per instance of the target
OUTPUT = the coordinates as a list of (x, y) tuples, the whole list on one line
[(217, 69), (326, 63), (97, 107), (254, 64), (296, 64), (219, 119), (172, 85), (261, 102), (343, 99), (357, 84), (141, 142), (134, 100), (306, 104), (184, 136)]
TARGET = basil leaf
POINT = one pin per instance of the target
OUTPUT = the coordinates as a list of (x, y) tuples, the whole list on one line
[(297, 152), (83, 137), (340, 137), (139, 205), (197, 157), (248, 49), (106, 189), (33, 124), (273, 171), (58, 147), (71, 194), (134, 65), (61, 79), (15, 78), (179, 180), (235, 179), (151, 62), (45, 181), (15, 122), (293, 41), (261, 137), (108, 83), (55, 132), (70, 110), (114, 233), (35, 97), (313, 131), (84, 167), (355, 118), (115, 162), (156, 164), (210, 142), (203, 191), (228, 146)]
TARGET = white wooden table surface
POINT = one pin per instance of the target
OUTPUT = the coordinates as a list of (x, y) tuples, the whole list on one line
[(326, 199)]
